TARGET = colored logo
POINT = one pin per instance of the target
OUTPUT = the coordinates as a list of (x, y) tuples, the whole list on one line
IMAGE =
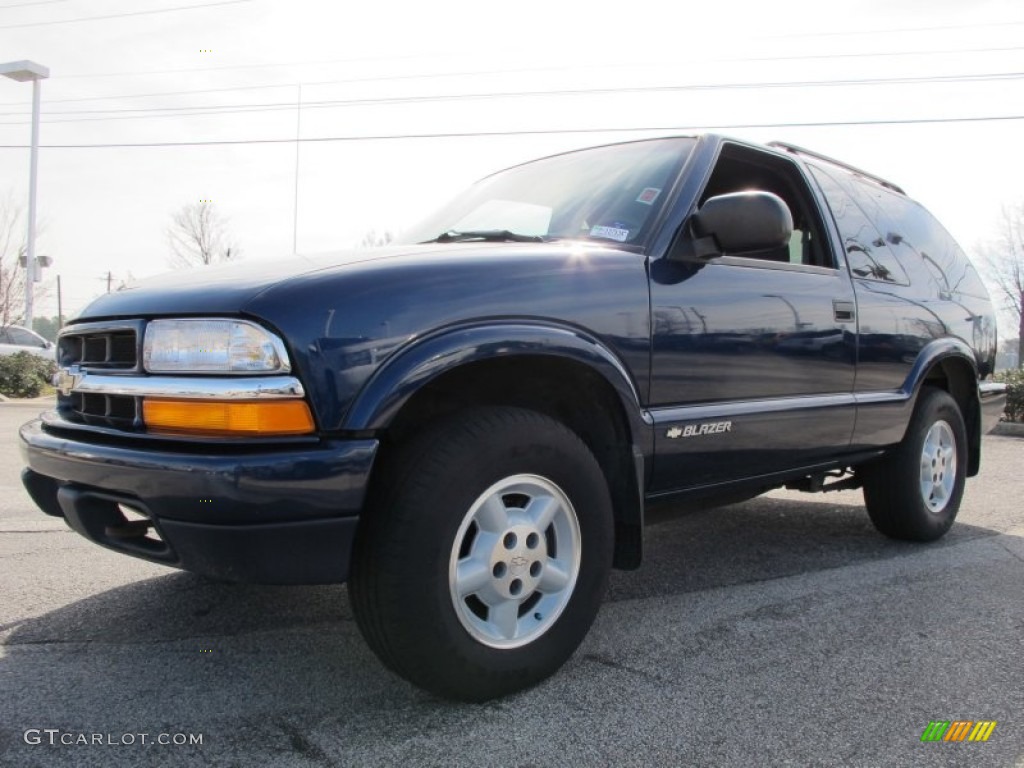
[(958, 730)]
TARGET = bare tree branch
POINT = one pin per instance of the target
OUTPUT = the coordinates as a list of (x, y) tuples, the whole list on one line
[(198, 235), (12, 249), (373, 239), (1004, 259)]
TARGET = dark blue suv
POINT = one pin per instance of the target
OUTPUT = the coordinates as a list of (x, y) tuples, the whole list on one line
[(466, 426)]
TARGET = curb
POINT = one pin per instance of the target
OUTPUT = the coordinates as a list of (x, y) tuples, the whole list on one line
[(1008, 429), (41, 400)]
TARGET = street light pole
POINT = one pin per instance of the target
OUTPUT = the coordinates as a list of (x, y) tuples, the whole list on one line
[(22, 71), (30, 255), (298, 134)]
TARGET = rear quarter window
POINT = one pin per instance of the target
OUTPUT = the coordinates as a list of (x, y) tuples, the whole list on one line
[(918, 240)]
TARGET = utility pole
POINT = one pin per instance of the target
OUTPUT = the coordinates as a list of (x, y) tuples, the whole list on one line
[(110, 277), (23, 71), (60, 307), (298, 143)]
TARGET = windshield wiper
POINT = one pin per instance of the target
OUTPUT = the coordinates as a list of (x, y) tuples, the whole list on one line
[(487, 235)]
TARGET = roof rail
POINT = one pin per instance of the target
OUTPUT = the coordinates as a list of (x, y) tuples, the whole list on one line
[(818, 156)]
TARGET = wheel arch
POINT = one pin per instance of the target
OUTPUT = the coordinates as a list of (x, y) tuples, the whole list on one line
[(562, 372), (949, 364)]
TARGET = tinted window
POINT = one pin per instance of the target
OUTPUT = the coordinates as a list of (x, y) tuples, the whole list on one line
[(866, 251), (606, 193), (918, 240), (23, 337)]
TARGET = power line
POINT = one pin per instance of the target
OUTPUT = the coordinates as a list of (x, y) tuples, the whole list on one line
[(224, 109), (121, 15), (365, 59), (538, 132), (899, 30), (186, 70), (477, 73), (34, 2)]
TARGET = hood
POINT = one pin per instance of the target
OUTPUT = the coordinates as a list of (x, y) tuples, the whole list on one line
[(224, 289)]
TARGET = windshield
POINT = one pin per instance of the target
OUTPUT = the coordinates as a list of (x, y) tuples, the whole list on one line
[(606, 193)]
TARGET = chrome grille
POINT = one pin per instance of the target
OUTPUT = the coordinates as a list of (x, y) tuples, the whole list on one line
[(113, 411), (107, 347), (101, 346)]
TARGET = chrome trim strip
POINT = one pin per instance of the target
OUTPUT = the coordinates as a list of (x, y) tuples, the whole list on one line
[(188, 387), (987, 389), (103, 326), (106, 326), (733, 408)]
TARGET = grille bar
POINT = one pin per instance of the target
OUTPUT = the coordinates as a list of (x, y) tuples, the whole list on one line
[(115, 411), (103, 347), (111, 347)]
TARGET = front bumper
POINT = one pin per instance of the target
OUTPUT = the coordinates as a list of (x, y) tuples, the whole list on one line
[(286, 515)]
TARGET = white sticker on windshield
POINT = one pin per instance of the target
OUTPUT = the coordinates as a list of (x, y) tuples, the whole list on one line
[(649, 195), (612, 233)]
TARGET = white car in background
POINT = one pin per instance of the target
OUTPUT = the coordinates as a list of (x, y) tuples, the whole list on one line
[(14, 338)]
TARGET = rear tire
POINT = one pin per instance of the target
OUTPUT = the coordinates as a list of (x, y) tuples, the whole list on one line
[(480, 567), (914, 492)]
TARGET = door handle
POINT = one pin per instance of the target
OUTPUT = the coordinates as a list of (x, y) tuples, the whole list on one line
[(843, 311)]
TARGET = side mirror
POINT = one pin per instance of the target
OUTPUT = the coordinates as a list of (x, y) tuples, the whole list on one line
[(741, 222)]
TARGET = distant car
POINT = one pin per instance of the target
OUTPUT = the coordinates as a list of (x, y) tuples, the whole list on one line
[(14, 338)]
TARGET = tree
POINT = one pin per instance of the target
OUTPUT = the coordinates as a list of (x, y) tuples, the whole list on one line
[(1004, 257), (373, 239), (12, 249), (46, 327), (198, 235)]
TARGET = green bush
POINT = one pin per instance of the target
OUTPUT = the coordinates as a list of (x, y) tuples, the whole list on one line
[(1014, 379), (24, 374)]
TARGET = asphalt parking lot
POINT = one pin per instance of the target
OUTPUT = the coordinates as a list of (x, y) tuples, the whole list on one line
[(781, 631)]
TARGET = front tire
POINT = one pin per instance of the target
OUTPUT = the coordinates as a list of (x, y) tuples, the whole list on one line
[(914, 492), (480, 567)]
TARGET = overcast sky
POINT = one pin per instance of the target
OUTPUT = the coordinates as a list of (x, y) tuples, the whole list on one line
[(184, 72)]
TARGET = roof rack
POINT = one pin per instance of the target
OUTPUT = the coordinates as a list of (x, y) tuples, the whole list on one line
[(818, 156)]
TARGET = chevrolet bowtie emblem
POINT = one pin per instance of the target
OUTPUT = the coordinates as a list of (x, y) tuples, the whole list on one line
[(67, 379)]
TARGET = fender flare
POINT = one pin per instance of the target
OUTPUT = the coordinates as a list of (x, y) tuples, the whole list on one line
[(932, 354), (424, 359), (935, 353)]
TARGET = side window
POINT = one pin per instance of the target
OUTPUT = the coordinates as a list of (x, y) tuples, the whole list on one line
[(866, 250), (921, 242), (743, 168), (4, 338), (23, 337)]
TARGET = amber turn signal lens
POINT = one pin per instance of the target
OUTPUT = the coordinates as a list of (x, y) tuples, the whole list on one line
[(214, 417)]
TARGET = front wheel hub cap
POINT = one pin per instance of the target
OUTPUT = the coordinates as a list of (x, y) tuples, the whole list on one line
[(514, 561), (938, 467)]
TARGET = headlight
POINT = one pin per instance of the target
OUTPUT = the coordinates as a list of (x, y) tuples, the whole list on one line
[(212, 346)]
